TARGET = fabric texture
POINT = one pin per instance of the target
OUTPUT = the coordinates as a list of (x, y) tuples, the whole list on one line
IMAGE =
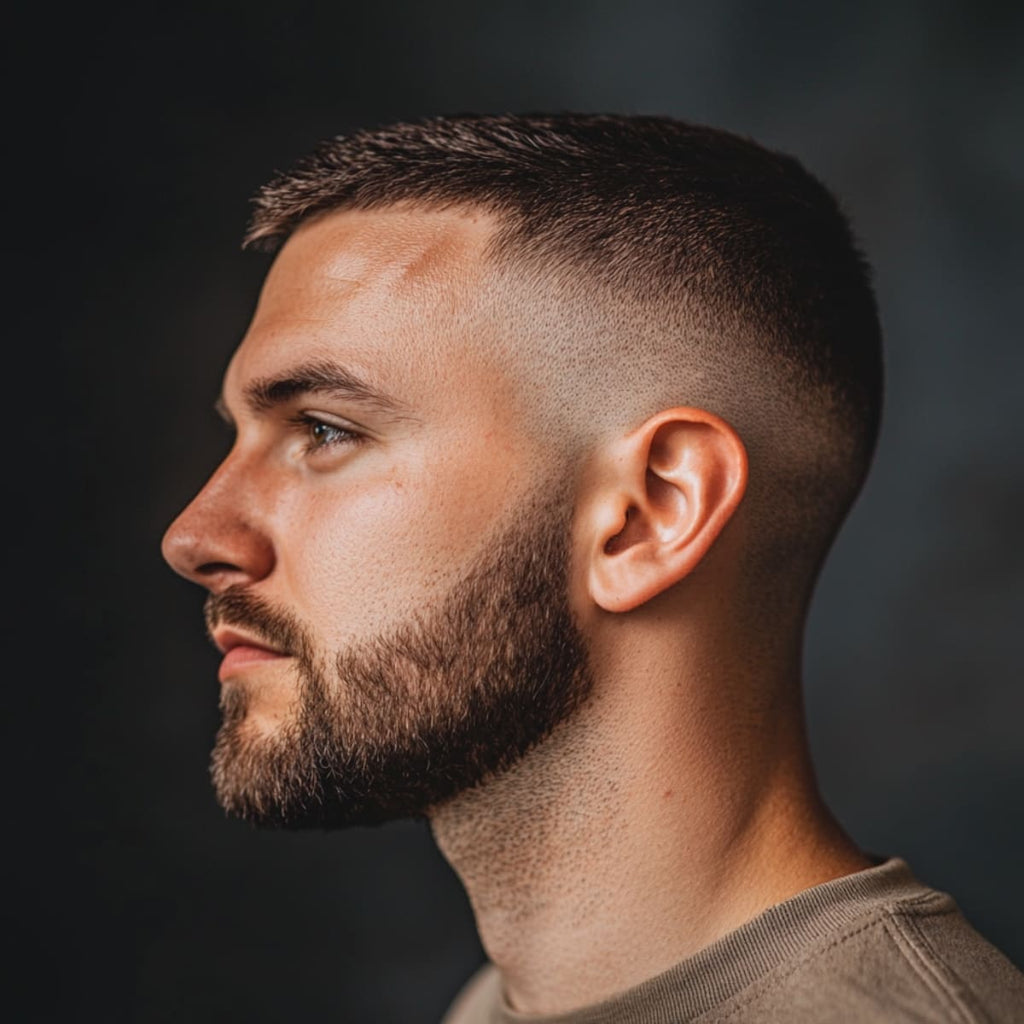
[(876, 945)]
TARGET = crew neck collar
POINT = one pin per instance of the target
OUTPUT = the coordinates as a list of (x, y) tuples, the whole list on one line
[(727, 966)]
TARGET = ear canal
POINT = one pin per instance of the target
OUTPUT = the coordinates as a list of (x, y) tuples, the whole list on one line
[(620, 540)]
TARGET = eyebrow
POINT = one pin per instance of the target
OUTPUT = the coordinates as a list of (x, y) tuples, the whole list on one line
[(325, 378)]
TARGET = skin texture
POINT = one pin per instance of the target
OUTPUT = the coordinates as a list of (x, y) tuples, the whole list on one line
[(407, 718), (678, 800)]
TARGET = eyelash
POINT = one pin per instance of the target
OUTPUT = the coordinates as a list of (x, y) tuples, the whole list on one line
[(306, 423)]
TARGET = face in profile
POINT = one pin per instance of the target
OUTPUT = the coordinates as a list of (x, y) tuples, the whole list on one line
[(388, 557)]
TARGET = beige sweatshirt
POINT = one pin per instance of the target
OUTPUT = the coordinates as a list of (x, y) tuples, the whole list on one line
[(873, 946)]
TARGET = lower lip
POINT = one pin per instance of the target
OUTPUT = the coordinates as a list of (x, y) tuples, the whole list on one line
[(239, 657)]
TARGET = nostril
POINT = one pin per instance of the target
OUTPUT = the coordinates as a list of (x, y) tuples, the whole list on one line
[(216, 568)]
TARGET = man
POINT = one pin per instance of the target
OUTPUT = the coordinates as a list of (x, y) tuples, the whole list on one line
[(544, 428)]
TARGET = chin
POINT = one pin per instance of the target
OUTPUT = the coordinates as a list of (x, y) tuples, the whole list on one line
[(260, 723), (257, 706)]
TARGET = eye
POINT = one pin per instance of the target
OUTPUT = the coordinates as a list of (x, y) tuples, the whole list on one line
[(321, 435)]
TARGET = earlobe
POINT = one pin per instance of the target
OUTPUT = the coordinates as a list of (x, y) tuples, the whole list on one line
[(668, 492)]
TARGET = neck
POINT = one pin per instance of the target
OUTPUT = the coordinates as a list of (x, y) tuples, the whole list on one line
[(639, 833)]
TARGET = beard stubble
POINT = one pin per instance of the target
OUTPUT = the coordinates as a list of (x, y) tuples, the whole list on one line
[(399, 723)]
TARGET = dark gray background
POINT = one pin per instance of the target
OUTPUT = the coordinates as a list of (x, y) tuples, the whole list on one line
[(138, 134)]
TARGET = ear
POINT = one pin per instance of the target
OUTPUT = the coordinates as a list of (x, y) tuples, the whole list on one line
[(663, 497)]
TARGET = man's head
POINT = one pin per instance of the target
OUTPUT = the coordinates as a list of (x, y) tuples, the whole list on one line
[(499, 391)]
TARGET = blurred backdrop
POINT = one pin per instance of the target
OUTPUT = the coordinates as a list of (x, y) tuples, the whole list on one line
[(139, 132)]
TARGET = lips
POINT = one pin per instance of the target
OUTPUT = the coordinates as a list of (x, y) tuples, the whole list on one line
[(241, 651)]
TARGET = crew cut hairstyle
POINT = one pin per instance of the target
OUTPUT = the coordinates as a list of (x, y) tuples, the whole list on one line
[(658, 211), (640, 202)]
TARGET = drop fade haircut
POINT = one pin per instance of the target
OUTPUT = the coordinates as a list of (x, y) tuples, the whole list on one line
[(690, 266)]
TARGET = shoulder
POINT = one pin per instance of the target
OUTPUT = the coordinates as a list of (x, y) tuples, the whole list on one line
[(911, 961), (963, 969)]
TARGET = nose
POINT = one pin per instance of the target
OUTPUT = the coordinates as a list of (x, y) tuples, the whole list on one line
[(217, 541)]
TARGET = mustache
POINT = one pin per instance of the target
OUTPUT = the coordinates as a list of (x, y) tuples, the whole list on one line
[(237, 607)]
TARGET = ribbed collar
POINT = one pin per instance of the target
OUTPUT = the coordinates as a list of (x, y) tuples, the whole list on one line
[(719, 971)]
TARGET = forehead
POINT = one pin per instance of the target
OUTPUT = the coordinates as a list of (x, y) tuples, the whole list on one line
[(393, 293)]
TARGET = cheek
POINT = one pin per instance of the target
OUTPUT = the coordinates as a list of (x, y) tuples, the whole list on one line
[(357, 555)]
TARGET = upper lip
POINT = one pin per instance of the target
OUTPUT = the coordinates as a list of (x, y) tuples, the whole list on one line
[(226, 638)]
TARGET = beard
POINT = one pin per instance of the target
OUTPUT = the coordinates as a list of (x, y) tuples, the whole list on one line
[(400, 723)]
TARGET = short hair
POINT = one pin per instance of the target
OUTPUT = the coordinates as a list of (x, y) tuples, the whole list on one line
[(660, 214)]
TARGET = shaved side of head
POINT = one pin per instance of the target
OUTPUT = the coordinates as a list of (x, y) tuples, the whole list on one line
[(642, 263)]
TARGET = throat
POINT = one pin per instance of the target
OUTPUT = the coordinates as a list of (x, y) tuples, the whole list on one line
[(590, 869)]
